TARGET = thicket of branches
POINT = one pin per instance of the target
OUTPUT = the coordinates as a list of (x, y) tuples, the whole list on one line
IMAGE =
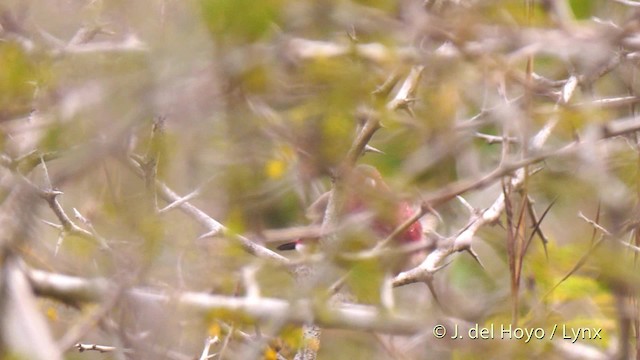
[(154, 154)]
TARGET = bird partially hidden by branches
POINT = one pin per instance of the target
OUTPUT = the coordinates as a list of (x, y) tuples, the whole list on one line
[(373, 211)]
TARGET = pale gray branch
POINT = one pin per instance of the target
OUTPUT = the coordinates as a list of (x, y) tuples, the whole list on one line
[(73, 289), (212, 226)]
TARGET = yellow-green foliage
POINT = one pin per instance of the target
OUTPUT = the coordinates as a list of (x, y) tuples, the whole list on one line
[(240, 20), (20, 77)]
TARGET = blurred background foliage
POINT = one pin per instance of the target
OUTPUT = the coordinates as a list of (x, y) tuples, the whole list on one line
[(261, 101)]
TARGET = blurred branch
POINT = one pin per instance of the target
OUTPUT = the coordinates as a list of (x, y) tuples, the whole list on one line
[(628, 2), (27, 162), (608, 102), (131, 43), (304, 49), (80, 328), (493, 139), (580, 350), (292, 233), (345, 316), (23, 330), (621, 127)]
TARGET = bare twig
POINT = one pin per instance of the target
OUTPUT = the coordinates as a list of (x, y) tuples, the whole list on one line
[(385, 88), (207, 345), (67, 226), (213, 226), (406, 94), (371, 125), (180, 201), (99, 348), (594, 224), (492, 139)]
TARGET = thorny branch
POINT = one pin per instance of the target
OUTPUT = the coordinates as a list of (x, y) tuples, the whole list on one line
[(463, 240), (567, 42), (67, 226), (213, 227)]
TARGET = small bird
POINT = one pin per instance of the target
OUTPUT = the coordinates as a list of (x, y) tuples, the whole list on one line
[(367, 196)]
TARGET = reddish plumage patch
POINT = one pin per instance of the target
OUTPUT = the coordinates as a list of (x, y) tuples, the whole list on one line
[(367, 192)]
